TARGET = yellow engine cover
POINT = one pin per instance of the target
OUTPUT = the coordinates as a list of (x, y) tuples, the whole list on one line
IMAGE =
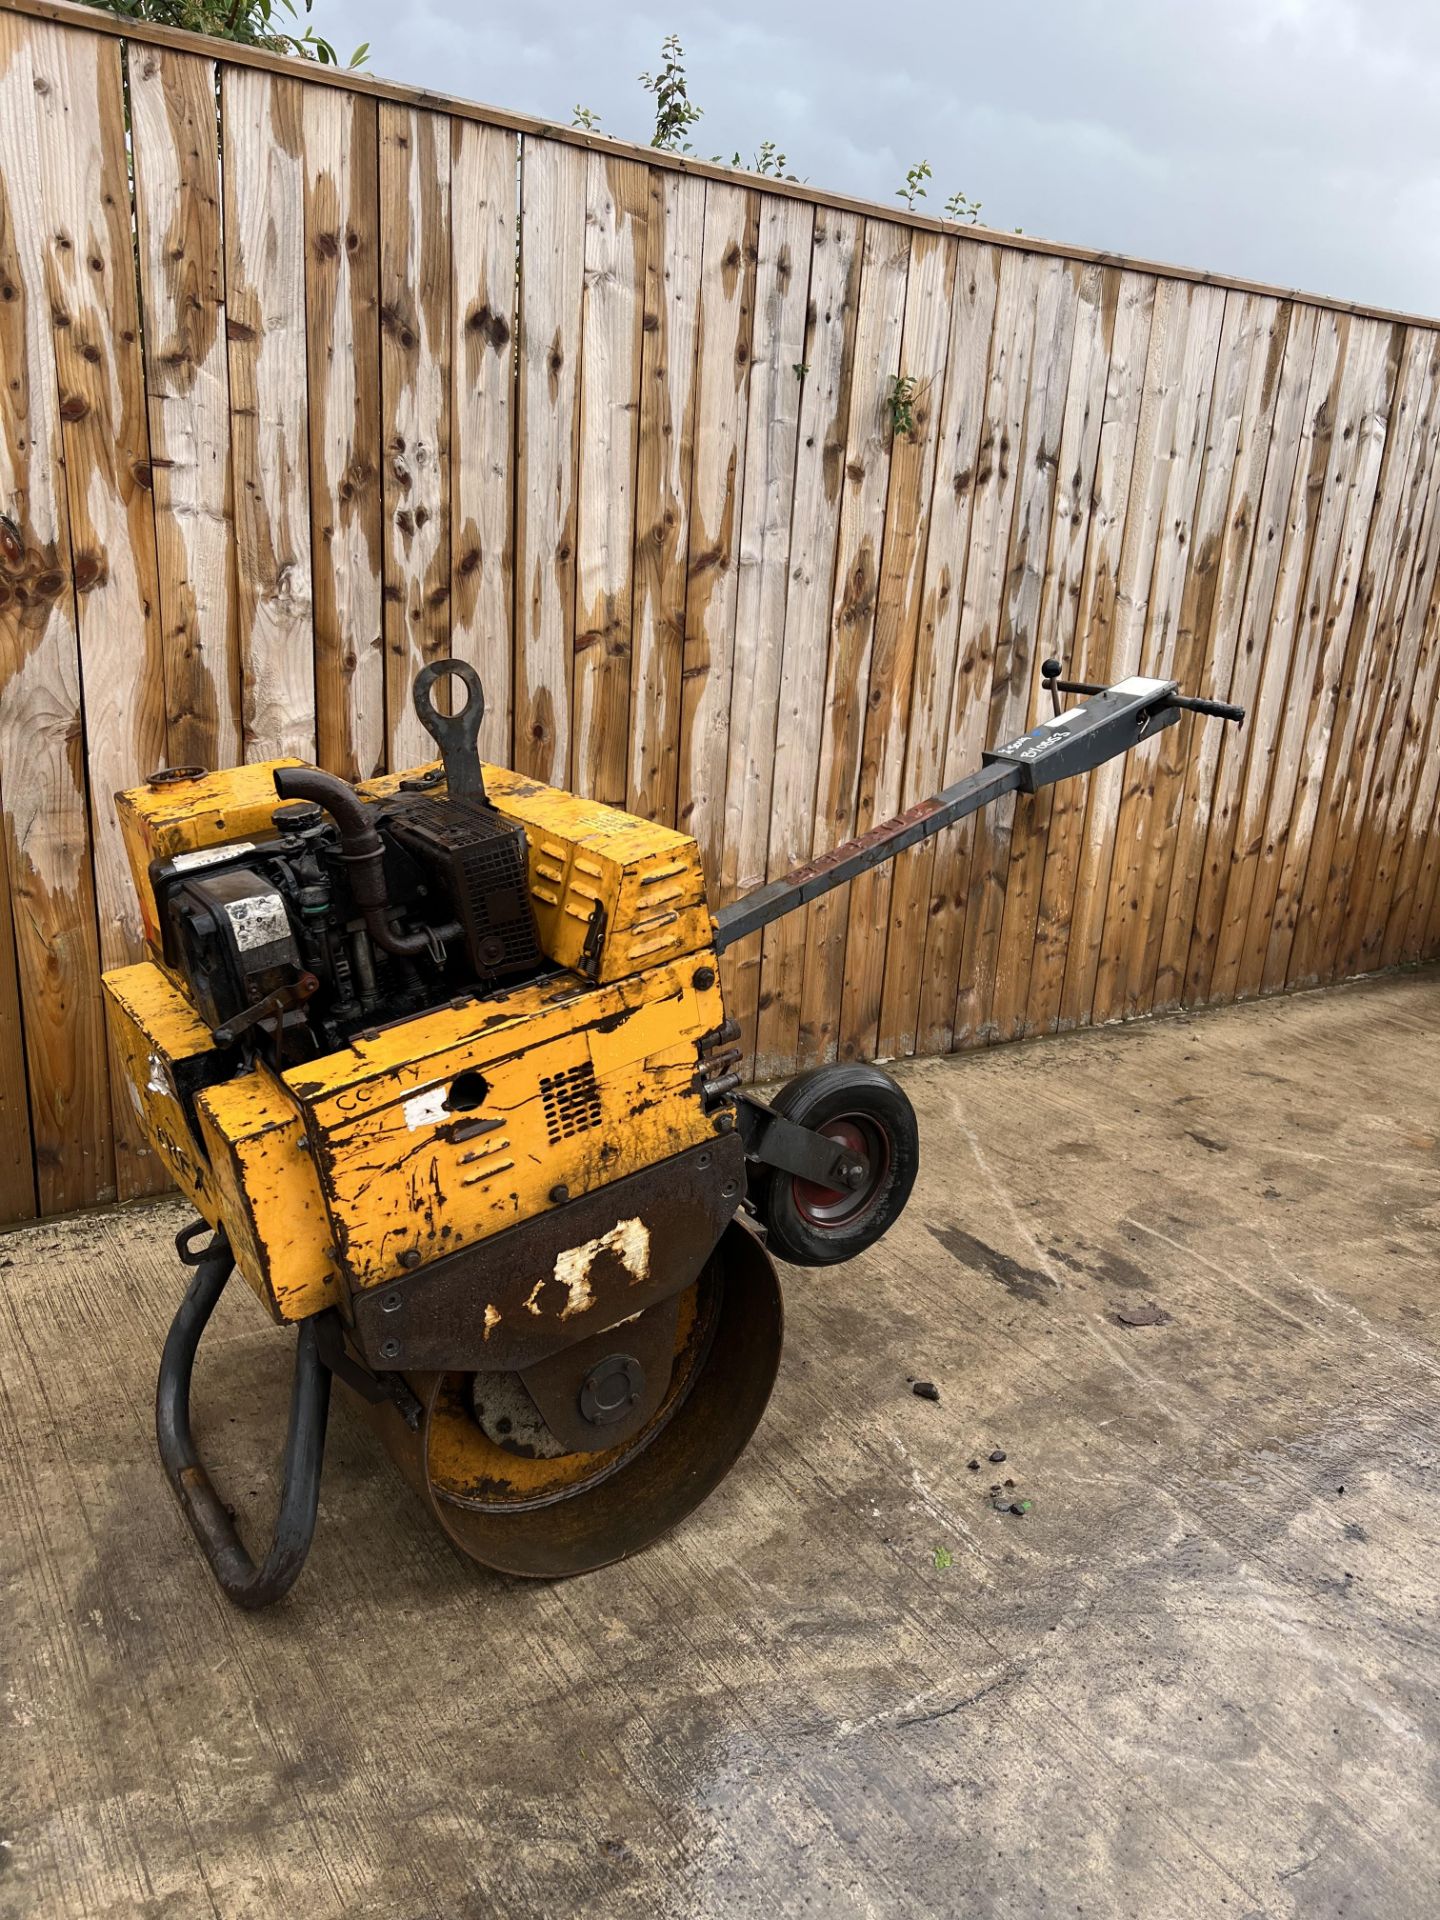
[(437, 1130), (612, 894)]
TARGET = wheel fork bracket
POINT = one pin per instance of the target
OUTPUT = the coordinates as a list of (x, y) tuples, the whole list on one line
[(211, 1521), (777, 1142)]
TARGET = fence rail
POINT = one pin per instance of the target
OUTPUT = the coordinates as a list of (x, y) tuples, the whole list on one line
[(404, 377)]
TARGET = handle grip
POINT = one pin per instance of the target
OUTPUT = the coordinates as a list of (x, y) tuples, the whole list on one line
[(1217, 709)]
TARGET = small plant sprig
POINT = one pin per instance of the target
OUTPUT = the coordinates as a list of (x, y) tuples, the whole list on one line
[(904, 391), (914, 188), (586, 118), (768, 159), (958, 207), (674, 112)]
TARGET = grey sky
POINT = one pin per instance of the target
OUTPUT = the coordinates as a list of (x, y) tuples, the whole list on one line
[(1293, 141)]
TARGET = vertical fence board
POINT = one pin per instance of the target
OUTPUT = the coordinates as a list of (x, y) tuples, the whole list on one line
[(1390, 929), (674, 243), (612, 309), (17, 1149), (1266, 725), (1022, 928), (923, 352), (1353, 437), (1130, 311), (859, 548), (1319, 656), (552, 258), (342, 305), (782, 273), (1382, 867), (1143, 835), (1242, 329), (962, 414), (1172, 420), (835, 265), (1390, 546), (1423, 931), (415, 280), (727, 304), (1016, 657), (997, 486), (90, 267), (1020, 931), (264, 178), (48, 852), (1215, 597), (1262, 577), (175, 149), (483, 186)]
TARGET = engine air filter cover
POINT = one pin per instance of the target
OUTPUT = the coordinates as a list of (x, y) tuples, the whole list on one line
[(481, 858)]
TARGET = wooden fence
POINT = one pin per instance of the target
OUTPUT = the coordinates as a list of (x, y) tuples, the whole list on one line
[(274, 432)]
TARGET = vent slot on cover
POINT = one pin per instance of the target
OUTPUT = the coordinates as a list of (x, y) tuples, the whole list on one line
[(572, 1101)]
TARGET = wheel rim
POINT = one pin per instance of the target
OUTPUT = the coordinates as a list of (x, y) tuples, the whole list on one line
[(832, 1207)]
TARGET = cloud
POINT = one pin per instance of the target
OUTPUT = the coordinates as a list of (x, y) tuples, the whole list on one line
[(1289, 140)]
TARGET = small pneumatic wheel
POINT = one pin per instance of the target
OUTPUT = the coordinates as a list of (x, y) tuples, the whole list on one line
[(861, 1108)]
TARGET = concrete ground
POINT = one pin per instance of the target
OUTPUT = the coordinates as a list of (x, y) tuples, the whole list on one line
[(1197, 1677)]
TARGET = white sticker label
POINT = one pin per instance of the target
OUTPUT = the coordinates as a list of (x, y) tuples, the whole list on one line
[(1141, 687), (1066, 719), (258, 921), (207, 856), (427, 1109)]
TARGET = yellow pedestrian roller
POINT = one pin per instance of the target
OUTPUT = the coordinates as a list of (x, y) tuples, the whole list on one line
[(443, 1064)]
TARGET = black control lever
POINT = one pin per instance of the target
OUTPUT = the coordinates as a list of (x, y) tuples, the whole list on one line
[(456, 734), (1051, 670)]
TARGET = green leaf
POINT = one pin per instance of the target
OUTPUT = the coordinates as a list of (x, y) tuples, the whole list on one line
[(944, 1558)]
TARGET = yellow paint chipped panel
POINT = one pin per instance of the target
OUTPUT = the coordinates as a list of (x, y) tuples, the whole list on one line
[(163, 1047), (447, 1128), (270, 1200)]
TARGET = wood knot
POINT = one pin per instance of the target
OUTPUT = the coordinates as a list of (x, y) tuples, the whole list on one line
[(90, 571), (492, 327)]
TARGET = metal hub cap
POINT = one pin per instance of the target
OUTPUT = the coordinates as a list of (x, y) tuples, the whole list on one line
[(611, 1389), (838, 1206)]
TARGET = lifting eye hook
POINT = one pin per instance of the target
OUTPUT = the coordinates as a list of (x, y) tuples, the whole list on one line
[(456, 734)]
